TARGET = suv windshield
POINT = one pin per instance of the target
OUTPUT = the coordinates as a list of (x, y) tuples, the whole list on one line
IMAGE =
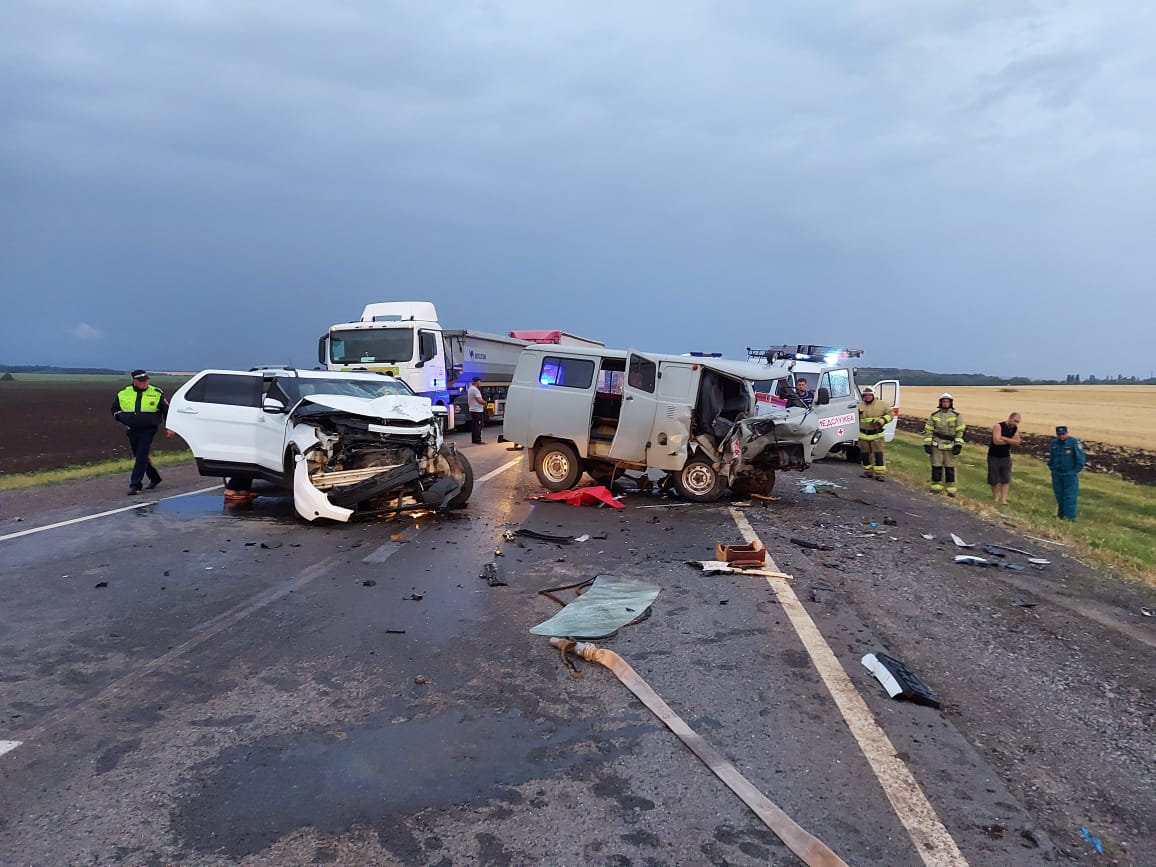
[(365, 347), (350, 387)]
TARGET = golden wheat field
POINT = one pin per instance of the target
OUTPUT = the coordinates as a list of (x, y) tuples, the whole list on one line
[(1123, 415)]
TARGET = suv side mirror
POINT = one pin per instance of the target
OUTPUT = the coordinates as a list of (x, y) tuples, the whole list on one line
[(272, 405), (823, 397)]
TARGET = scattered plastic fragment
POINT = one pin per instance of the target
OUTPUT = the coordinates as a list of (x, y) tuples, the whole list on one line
[(993, 550), (594, 495), (1039, 561), (1147, 612), (1094, 841), (927, 536), (100, 584), (413, 597), (817, 483), (890, 522), (972, 560), (543, 537), (491, 575), (368, 582), (959, 543), (395, 632), (899, 680), (804, 543), (271, 545), (585, 537), (1015, 567), (809, 489), (1023, 603)]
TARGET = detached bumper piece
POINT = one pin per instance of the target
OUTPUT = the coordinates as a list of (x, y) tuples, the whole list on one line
[(899, 680), (351, 496)]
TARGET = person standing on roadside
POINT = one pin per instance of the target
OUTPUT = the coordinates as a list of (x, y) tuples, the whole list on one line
[(142, 409), (943, 441), (476, 404), (1065, 459), (874, 416), (1004, 435)]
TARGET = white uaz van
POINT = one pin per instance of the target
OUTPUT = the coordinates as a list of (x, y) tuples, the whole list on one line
[(602, 411)]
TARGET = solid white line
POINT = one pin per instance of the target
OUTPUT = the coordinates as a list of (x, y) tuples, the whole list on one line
[(497, 472), (8, 746), (102, 514), (927, 832)]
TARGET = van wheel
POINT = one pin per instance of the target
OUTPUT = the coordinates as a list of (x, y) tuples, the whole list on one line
[(699, 482), (557, 466)]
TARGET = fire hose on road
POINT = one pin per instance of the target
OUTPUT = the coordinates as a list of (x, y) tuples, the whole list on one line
[(810, 849)]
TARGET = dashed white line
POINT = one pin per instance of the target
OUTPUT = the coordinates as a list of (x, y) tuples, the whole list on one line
[(931, 839), (81, 520), (497, 472)]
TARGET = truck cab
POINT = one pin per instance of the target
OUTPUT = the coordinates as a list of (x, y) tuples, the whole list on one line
[(829, 371), (603, 411)]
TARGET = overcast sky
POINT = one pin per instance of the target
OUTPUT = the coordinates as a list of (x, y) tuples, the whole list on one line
[(963, 186)]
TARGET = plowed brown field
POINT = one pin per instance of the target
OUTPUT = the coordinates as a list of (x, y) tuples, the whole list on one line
[(47, 425)]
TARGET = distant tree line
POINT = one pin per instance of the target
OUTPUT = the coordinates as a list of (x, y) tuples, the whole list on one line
[(925, 377), (44, 368)]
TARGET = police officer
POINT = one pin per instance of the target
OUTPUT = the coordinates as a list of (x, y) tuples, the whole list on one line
[(943, 441), (1065, 459), (874, 415), (142, 409)]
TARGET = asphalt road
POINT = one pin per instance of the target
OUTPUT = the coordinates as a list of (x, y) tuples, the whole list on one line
[(191, 685)]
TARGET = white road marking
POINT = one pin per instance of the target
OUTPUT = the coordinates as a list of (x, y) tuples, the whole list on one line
[(81, 520), (497, 472), (927, 832), (8, 746)]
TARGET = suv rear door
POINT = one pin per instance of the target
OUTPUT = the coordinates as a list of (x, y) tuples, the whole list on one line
[(219, 415)]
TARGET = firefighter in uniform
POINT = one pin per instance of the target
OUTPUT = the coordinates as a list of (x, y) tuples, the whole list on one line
[(142, 409), (943, 441), (1066, 459), (874, 415)]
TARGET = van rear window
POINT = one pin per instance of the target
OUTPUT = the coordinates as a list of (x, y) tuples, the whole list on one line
[(566, 372)]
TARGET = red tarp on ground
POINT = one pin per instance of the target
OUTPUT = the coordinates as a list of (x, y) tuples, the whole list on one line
[(591, 496)]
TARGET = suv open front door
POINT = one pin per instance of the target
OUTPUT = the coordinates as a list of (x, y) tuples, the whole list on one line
[(632, 439)]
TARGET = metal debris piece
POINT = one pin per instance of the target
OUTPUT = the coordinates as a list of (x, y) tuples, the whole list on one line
[(413, 597), (959, 543), (927, 536), (1015, 567), (1039, 561), (1012, 550), (993, 550), (585, 537), (890, 522), (1023, 603), (368, 582), (1147, 612), (899, 680), (972, 560)]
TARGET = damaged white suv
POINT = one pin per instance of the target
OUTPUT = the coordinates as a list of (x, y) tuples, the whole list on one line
[(345, 443)]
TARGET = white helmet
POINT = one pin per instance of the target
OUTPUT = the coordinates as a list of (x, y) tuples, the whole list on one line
[(868, 390), (947, 394)]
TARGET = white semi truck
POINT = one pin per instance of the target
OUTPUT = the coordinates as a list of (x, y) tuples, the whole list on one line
[(405, 339)]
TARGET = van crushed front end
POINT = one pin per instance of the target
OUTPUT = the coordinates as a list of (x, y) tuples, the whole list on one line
[(755, 448), (360, 457)]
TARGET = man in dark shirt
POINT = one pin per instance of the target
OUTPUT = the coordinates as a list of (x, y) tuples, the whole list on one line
[(1004, 435)]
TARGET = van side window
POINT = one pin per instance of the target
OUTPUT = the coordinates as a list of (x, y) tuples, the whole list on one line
[(566, 372), (642, 374), (227, 388), (838, 383)]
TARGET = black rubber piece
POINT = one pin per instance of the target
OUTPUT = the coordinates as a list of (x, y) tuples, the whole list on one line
[(913, 688)]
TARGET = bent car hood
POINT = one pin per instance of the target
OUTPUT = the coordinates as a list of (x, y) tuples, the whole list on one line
[(392, 406)]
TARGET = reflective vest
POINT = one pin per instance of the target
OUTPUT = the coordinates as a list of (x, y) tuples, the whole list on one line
[(873, 417), (139, 408), (944, 429)]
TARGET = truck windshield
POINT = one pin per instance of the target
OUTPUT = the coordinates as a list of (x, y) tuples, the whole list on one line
[(352, 387), (371, 346)]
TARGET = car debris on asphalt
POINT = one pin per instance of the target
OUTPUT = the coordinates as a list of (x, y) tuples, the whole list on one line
[(609, 604), (899, 680), (817, 546), (593, 495), (959, 543), (492, 576)]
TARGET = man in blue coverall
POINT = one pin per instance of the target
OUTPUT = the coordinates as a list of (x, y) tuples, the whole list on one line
[(1065, 460)]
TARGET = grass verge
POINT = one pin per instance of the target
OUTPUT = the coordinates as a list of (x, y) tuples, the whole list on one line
[(1117, 519), (20, 481)]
